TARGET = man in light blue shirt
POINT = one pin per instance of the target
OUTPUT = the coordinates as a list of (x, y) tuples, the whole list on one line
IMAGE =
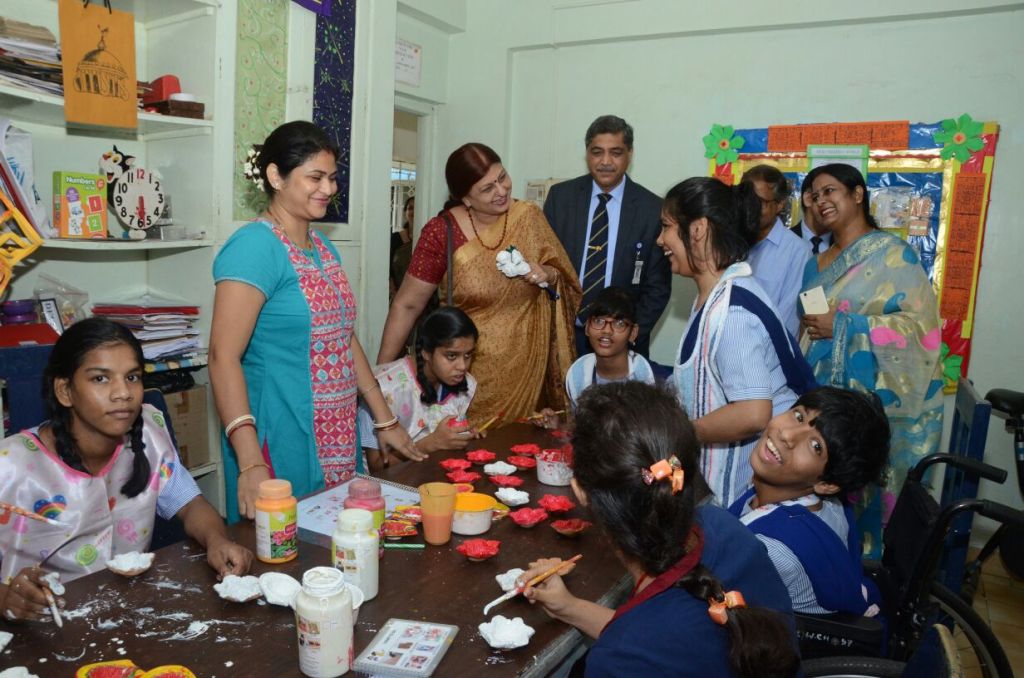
[(779, 256)]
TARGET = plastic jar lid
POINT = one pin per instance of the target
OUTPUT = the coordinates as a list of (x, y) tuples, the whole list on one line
[(474, 501), (363, 488), (18, 307), (275, 489), (355, 520), (26, 319)]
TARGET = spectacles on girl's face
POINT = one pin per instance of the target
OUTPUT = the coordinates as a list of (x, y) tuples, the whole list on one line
[(618, 325)]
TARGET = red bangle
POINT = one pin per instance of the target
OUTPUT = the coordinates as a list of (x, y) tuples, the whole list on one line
[(239, 427)]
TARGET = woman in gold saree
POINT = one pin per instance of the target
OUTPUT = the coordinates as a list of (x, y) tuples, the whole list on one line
[(525, 321)]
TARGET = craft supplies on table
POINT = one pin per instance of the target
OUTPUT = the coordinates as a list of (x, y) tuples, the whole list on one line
[(319, 513), (406, 648)]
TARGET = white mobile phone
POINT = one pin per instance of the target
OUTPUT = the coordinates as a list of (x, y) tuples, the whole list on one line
[(814, 301)]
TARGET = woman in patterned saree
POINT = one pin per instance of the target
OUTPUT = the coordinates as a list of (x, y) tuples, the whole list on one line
[(881, 333), (526, 321), (285, 364)]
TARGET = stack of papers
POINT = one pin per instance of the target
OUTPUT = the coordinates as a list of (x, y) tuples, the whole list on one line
[(29, 57), (166, 331)]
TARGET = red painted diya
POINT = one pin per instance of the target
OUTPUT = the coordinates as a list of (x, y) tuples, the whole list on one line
[(481, 456), (528, 449), (522, 462), (463, 487), (506, 481), (570, 527), (463, 476), (528, 517), (396, 529), (556, 503), (455, 464), (456, 423), (479, 549)]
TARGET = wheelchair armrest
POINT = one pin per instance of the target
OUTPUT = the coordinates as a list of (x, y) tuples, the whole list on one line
[(840, 633)]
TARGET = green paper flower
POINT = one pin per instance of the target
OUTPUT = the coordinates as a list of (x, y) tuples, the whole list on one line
[(951, 364), (959, 138), (721, 145)]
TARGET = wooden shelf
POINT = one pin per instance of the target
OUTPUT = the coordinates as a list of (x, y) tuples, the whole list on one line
[(147, 11), (202, 470), (116, 245), (47, 109)]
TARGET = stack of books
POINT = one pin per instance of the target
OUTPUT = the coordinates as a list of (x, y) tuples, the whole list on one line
[(29, 57), (165, 329)]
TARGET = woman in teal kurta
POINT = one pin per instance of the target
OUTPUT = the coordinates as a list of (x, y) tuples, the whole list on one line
[(285, 364)]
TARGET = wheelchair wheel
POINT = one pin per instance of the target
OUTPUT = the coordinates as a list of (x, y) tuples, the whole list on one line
[(852, 667), (985, 651)]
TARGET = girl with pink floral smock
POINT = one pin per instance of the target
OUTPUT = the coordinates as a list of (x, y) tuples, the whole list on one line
[(96, 473)]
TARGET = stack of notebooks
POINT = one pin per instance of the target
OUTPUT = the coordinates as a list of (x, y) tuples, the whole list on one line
[(29, 57), (166, 331)]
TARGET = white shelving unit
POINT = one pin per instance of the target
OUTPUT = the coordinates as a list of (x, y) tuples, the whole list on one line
[(194, 40)]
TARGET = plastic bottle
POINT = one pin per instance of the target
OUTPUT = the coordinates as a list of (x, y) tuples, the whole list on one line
[(276, 522), (354, 550), (364, 493), (323, 619)]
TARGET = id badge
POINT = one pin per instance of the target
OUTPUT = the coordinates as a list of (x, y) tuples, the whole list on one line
[(638, 268)]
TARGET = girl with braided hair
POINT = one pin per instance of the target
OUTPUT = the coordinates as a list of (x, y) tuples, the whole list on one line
[(99, 470), (431, 393), (635, 466)]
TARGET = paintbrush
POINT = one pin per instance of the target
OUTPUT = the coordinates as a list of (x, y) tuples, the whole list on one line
[(54, 610), (490, 421), (28, 514), (538, 416), (533, 582)]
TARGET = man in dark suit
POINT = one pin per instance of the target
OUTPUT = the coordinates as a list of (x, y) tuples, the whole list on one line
[(608, 225), (808, 228)]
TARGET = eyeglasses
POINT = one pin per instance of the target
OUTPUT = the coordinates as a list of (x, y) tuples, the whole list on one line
[(618, 324)]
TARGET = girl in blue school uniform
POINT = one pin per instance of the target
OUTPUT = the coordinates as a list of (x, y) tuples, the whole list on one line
[(706, 600)]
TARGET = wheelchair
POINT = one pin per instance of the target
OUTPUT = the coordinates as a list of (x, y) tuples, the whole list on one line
[(913, 599)]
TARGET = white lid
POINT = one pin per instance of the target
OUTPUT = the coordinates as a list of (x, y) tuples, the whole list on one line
[(323, 581), (355, 520), (183, 96)]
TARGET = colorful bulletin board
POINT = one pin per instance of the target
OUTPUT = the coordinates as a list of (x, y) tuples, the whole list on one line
[(929, 183)]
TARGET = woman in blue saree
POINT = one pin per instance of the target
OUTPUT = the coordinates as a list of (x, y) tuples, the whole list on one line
[(881, 334)]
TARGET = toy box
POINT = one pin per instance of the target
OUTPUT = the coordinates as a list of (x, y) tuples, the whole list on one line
[(80, 205)]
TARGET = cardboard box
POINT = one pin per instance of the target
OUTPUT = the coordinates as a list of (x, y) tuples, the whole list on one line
[(80, 205), (189, 418)]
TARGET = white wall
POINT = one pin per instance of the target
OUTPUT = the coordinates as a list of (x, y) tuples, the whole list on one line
[(528, 77)]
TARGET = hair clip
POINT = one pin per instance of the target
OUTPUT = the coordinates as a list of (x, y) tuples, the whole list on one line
[(669, 468), (717, 609)]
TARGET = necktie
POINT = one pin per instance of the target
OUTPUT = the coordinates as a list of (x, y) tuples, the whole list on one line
[(816, 244), (597, 251)]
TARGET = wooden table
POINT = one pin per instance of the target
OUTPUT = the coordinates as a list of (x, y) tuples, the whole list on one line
[(171, 615)]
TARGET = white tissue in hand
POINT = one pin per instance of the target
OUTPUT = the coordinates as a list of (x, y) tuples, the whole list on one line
[(278, 588), (512, 497), (52, 580), (505, 634), (238, 589), (507, 581), (511, 263), (499, 468)]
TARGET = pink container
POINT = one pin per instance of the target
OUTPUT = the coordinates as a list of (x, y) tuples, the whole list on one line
[(364, 493)]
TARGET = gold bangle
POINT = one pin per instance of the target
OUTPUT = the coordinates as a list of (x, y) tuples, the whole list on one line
[(252, 466), (386, 425), (234, 423)]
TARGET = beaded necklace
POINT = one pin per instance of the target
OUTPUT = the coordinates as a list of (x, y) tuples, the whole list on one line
[(504, 227)]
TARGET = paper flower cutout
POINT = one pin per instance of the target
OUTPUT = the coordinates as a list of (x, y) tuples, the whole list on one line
[(522, 461), (959, 138), (722, 145), (506, 481), (463, 476), (481, 456), (528, 449), (556, 503), (951, 364), (479, 549), (455, 464), (528, 517), (570, 527)]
